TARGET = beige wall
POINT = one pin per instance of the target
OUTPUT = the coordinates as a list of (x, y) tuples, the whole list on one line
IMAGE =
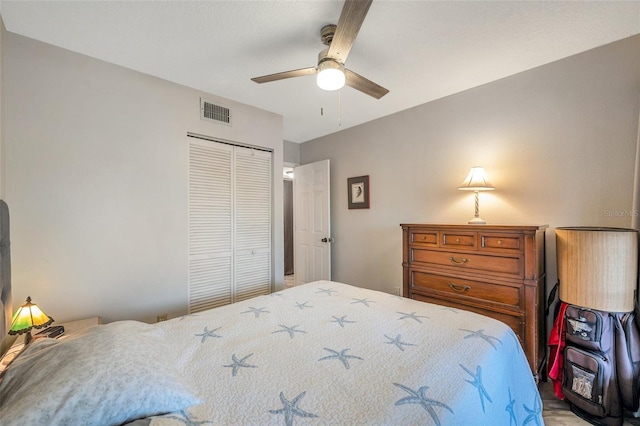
[(558, 142), (291, 153), (96, 181)]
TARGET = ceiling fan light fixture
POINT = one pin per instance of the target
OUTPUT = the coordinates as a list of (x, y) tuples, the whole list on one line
[(330, 75), (330, 71)]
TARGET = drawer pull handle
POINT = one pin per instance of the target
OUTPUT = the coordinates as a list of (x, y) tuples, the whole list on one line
[(459, 288), (459, 260)]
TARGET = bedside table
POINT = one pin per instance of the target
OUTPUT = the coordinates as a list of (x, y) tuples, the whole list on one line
[(70, 328)]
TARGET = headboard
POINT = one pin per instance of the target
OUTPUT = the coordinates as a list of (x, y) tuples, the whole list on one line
[(5, 270)]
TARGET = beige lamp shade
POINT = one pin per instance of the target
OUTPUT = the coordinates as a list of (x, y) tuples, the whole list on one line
[(476, 181), (597, 267)]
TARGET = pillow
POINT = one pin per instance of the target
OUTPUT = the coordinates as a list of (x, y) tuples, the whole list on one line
[(107, 375)]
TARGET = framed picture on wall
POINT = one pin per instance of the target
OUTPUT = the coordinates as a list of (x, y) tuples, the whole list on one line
[(358, 192)]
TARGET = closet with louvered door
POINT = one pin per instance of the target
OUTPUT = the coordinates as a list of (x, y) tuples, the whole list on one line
[(229, 223), (252, 258)]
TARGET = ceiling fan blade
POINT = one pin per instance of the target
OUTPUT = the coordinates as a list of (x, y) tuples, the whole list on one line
[(364, 85), (351, 18), (287, 74)]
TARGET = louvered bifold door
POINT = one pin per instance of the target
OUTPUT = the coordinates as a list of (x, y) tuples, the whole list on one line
[(210, 224), (252, 258)]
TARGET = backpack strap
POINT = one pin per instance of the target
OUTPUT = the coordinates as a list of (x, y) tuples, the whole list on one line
[(551, 299)]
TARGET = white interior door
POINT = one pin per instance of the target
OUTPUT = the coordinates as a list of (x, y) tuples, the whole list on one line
[(311, 222)]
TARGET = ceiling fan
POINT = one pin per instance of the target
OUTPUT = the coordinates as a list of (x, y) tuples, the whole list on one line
[(331, 73)]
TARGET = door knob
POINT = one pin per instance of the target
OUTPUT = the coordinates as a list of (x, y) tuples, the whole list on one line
[(327, 240)]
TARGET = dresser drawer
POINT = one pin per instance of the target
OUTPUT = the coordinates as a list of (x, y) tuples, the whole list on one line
[(451, 287), (424, 238), (507, 265), (459, 240), (513, 321), (501, 243)]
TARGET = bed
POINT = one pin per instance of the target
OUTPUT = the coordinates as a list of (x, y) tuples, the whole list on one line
[(324, 353)]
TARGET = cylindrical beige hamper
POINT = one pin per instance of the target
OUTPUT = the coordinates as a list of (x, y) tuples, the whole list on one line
[(597, 267)]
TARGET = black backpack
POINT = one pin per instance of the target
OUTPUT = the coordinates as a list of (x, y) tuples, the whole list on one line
[(590, 382)]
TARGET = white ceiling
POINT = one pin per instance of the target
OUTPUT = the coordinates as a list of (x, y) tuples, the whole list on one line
[(419, 50)]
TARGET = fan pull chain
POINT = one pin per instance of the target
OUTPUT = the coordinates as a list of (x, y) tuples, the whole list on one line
[(321, 108), (339, 108)]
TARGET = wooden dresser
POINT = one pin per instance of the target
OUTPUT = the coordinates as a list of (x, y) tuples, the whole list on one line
[(497, 271)]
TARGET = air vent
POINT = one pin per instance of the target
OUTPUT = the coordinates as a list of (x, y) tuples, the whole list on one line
[(213, 112)]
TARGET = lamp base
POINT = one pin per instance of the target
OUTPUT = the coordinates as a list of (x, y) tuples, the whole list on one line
[(477, 221)]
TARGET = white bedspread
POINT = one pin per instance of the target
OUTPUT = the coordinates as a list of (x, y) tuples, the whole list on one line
[(328, 353)]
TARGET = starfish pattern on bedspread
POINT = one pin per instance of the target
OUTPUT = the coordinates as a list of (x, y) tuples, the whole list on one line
[(412, 316), (516, 340), (291, 330), (290, 409), (256, 311), (398, 342), (237, 363), (208, 333), (302, 305), (327, 291), (509, 409), (477, 383), (365, 302), (480, 335), (341, 356), (343, 320), (419, 397), (533, 413), (186, 420)]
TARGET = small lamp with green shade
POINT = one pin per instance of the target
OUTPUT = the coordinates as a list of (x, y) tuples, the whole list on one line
[(28, 317)]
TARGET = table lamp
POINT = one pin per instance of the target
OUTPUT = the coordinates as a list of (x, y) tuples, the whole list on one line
[(476, 181), (28, 317)]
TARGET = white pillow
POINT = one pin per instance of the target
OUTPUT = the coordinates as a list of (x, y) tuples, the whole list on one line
[(108, 375)]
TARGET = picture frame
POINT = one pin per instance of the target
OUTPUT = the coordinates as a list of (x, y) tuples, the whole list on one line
[(358, 192)]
